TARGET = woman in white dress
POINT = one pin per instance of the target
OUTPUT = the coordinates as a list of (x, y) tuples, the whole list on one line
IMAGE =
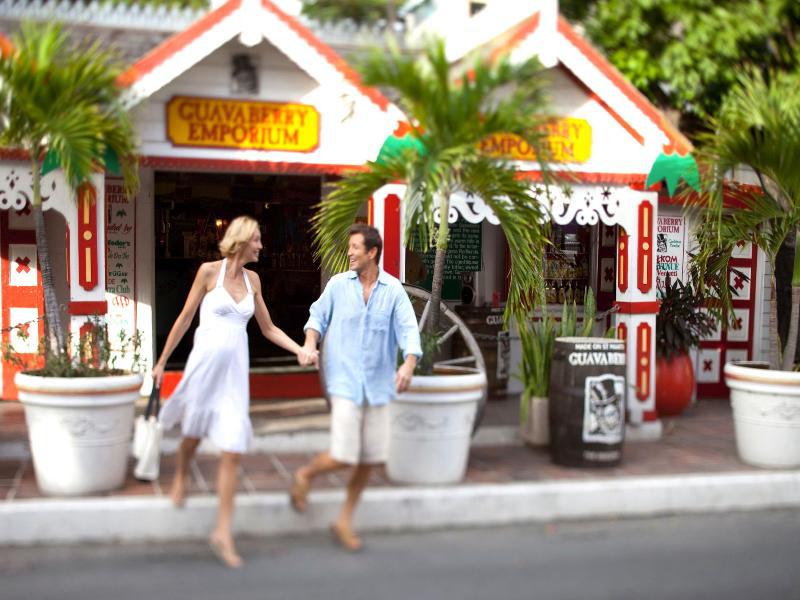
[(213, 396)]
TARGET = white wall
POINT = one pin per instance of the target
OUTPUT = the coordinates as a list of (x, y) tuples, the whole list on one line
[(344, 139)]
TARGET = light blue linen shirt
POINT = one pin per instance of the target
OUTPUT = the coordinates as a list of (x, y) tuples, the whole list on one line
[(361, 340)]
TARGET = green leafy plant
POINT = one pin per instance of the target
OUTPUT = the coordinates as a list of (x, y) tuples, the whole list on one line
[(95, 354), (60, 103), (681, 321), (538, 338), (756, 130)]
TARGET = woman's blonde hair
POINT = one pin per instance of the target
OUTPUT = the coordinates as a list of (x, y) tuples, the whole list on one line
[(239, 232)]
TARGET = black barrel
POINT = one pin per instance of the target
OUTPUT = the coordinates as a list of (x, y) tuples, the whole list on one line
[(587, 401)]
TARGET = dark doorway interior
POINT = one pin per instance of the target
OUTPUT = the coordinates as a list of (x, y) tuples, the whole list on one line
[(191, 213)]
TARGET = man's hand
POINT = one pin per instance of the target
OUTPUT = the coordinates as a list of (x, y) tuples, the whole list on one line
[(404, 374), (308, 356)]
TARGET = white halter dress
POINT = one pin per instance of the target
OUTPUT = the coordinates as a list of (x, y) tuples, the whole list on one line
[(213, 396)]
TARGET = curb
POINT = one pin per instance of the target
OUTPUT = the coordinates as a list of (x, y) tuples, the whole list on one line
[(137, 519)]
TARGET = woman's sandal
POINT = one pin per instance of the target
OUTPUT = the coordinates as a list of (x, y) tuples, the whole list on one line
[(178, 500), (226, 556), (298, 494), (346, 538)]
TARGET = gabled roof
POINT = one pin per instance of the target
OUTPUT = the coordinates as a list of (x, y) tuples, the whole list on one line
[(252, 20), (557, 40)]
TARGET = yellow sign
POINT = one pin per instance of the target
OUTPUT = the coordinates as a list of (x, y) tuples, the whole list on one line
[(569, 140), (243, 124)]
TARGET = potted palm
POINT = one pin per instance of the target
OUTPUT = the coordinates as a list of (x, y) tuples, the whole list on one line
[(758, 130), (448, 119), (59, 102), (538, 338), (681, 323)]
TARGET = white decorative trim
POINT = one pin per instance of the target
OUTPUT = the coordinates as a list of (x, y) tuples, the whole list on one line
[(472, 208), (588, 205), (584, 204), (16, 186)]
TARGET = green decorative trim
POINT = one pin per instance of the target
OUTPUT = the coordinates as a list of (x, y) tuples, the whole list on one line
[(673, 168)]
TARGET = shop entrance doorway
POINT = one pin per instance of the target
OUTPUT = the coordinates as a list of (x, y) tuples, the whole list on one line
[(191, 213)]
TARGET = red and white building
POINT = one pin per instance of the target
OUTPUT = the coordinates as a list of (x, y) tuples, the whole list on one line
[(246, 110)]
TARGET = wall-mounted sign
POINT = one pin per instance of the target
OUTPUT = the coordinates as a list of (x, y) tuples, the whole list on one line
[(670, 243), (242, 124), (120, 263), (570, 141)]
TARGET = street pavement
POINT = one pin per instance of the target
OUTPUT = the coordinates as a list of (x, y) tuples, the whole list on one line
[(733, 556), (693, 468)]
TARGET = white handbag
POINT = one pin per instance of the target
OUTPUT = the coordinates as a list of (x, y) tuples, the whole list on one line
[(147, 440)]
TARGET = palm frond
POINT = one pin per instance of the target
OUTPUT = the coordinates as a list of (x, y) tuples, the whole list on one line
[(60, 96)]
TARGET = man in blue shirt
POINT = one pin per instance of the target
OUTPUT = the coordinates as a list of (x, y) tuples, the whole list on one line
[(365, 315)]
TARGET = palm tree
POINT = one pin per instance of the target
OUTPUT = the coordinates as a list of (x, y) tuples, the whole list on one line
[(758, 127), (60, 100), (448, 120)]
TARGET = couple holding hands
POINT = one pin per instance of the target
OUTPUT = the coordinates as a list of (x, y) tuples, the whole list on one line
[(364, 314)]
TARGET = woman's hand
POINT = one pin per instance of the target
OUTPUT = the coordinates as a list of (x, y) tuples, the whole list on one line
[(158, 375)]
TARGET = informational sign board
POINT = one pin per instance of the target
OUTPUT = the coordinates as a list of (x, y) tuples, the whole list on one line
[(670, 248), (120, 263), (223, 123), (463, 251), (463, 256)]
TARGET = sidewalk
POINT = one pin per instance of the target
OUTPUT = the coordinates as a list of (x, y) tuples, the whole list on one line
[(693, 468)]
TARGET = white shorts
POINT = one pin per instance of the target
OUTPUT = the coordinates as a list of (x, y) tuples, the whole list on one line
[(359, 434)]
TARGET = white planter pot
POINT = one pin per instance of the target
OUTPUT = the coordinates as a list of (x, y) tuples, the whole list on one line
[(766, 415), (79, 430), (536, 428), (431, 426)]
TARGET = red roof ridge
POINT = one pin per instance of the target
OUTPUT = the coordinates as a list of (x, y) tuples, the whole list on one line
[(328, 53), (519, 32), (179, 41), (175, 43), (677, 141)]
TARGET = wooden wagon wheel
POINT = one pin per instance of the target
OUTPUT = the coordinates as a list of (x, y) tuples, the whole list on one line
[(456, 325)]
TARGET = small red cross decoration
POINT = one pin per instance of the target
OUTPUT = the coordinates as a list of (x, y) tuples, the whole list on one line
[(24, 330), (738, 282), (708, 365), (608, 274), (737, 323), (22, 264), (740, 244)]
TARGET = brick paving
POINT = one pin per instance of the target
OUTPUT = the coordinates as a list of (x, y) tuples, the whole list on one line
[(699, 441)]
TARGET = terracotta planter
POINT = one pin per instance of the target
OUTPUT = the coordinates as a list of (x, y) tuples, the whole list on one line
[(766, 415), (79, 430), (674, 384), (431, 426)]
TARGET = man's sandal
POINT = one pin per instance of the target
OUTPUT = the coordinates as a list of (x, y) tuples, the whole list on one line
[(298, 494), (346, 538), (226, 555)]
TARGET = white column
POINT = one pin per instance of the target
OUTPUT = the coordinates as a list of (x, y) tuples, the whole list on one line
[(636, 319)]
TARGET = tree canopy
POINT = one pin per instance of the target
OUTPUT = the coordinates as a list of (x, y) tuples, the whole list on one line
[(687, 54)]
